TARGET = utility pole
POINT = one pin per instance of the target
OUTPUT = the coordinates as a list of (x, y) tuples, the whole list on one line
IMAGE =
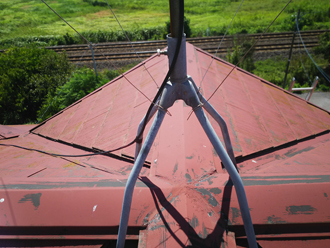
[(288, 64)]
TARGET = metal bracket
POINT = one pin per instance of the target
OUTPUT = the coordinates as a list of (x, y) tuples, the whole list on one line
[(182, 87)]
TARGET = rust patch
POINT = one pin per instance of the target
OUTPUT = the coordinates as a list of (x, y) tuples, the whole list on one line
[(34, 198), (175, 168), (274, 220), (236, 214), (208, 196), (72, 164), (302, 209), (215, 191), (205, 232), (188, 177), (194, 222), (291, 153)]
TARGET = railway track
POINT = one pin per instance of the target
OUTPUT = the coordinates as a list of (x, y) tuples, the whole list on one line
[(144, 49)]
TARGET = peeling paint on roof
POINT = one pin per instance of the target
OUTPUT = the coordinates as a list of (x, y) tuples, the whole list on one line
[(183, 195)]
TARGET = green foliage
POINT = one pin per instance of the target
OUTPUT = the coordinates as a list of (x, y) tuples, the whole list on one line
[(310, 18), (241, 47), (272, 70), (82, 82), (30, 18), (137, 34), (27, 75), (31, 40), (134, 35), (301, 68), (324, 46)]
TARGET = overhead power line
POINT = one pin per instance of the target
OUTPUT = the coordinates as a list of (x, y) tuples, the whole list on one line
[(327, 78)]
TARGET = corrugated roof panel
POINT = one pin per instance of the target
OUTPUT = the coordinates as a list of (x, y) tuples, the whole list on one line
[(75, 123), (93, 122), (309, 116), (28, 164), (250, 130), (153, 69), (286, 107), (115, 123), (115, 127), (275, 124), (138, 113), (322, 115), (11, 131), (210, 83), (307, 158), (258, 116), (55, 127), (185, 182)]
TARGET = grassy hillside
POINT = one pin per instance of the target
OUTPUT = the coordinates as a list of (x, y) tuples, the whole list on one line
[(33, 18)]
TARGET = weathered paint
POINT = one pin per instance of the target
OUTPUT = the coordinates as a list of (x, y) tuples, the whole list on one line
[(303, 209), (183, 196), (34, 198)]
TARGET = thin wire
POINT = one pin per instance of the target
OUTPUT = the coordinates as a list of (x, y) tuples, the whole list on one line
[(303, 64), (67, 80), (67, 22), (316, 65), (177, 50), (223, 37), (124, 76), (248, 51), (93, 46), (244, 55), (130, 42)]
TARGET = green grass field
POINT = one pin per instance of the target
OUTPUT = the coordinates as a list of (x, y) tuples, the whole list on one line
[(33, 18)]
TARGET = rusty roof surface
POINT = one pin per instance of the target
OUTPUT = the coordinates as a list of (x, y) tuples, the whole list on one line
[(260, 115), (11, 131), (183, 196)]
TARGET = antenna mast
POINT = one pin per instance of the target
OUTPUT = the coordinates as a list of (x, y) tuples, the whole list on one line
[(182, 87)]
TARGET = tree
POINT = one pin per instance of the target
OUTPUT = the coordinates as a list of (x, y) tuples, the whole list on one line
[(27, 75), (80, 84)]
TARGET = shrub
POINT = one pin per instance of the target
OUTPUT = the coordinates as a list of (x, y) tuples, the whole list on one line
[(27, 75), (82, 82), (241, 47), (324, 46)]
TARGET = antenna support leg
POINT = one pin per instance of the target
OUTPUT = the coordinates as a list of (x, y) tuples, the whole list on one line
[(181, 87)]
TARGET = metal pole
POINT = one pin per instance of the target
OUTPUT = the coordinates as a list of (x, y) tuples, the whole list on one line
[(140, 139), (174, 18), (292, 83), (316, 80), (218, 118), (128, 195), (290, 53), (234, 176)]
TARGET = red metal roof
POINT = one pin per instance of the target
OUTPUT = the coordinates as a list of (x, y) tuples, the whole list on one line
[(281, 143), (11, 131), (261, 115)]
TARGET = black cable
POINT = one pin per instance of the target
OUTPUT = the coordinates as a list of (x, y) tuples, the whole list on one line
[(137, 138)]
